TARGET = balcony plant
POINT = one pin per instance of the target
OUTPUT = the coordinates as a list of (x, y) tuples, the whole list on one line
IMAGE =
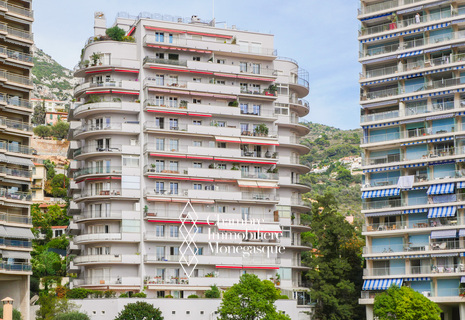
[(278, 279), (234, 103), (271, 90), (235, 167), (85, 63), (183, 104), (95, 57), (261, 130)]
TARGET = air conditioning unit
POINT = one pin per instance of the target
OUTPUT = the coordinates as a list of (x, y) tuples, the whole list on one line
[(186, 193)]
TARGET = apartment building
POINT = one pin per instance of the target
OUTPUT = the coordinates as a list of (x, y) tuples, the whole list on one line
[(55, 110), (16, 39), (183, 111), (412, 115)]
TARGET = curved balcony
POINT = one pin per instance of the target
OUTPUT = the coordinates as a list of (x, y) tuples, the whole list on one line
[(112, 170), (113, 193), (107, 86), (91, 216), (116, 106), (293, 124), (299, 83), (133, 65), (293, 142), (93, 150), (132, 283), (107, 259), (302, 106), (126, 128), (106, 237)]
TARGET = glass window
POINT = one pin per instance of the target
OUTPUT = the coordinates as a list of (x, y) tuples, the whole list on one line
[(256, 68), (131, 161), (243, 66), (174, 145), (197, 186), (197, 143), (174, 231), (174, 188), (159, 37), (160, 144), (160, 231)]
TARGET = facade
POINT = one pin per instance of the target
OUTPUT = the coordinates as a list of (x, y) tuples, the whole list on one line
[(412, 98), (16, 40), (184, 111), (55, 110), (39, 175)]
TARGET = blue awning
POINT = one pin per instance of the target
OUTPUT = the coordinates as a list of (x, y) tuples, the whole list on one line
[(379, 104), (377, 16), (437, 49), (380, 38), (444, 234), (440, 139), (410, 54), (438, 70), (441, 212), (461, 185), (442, 188), (440, 93), (415, 211), (409, 10), (437, 163), (379, 81), (385, 258), (414, 165), (437, 26), (418, 279), (384, 214), (442, 116), (381, 169), (420, 96), (379, 59), (410, 31), (380, 193), (415, 256), (461, 206), (413, 143), (381, 284), (462, 254), (443, 255), (387, 124), (413, 75), (412, 120)]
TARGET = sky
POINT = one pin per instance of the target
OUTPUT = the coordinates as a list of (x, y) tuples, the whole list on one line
[(320, 34)]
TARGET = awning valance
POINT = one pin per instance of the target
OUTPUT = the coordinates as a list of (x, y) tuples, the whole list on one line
[(442, 188), (247, 184), (380, 193), (444, 234), (381, 169), (267, 185), (443, 255), (461, 185), (19, 161), (19, 233), (381, 284), (440, 139), (437, 26), (413, 120), (242, 227), (228, 139), (384, 214), (437, 49), (259, 142), (415, 211), (409, 10), (413, 143), (418, 279), (410, 54), (441, 212), (16, 255)]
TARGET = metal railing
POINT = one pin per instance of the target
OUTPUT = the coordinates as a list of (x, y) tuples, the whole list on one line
[(101, 170), (106, 83), (23, 267), (103, 127), (104, 105), (98, 148), (20, 33), (379, 116), (259, 175), (20, 10), (16, 172), (15, 195), (16, 101), (112, 214), (17, 125), (112, 192), (15, 243), (15, 218), (182, 63), (385, 5)]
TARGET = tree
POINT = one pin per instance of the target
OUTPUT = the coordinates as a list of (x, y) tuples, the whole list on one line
[(404, 304), (74, 315), (16, 313), (139, 310), (50, 168), (213, 293), (59, 185), (250, 299), (39, 114), (51, 306), (42, 131), (336, 264), (60, 130), (116, 33)]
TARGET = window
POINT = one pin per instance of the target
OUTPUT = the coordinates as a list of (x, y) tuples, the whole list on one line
[(159, 37), (221, 82), (221, 61), (286, 232), (244, 88), (245, 212), (198, 229), (197, 122), (174, 251), (222, 209), (160, 144), (222, 166), (161, 294), (197, 101), (159, 187), (197, 143), (256, 68), (243, 66), (244, 108), (174, 166), (131, 161), (174, 231), (172, 102), (199, 251), (198, 80), (160, 80), (245, 128), (160, 231), (255, 88), (197, 165), (174, 124), (159, 100), (195, 58), (282, 89), (197, 186), (174, 188), (51, 116), (170, 38), (174, 145), (221, 145), (256, 109), (160, 122), (159, 55), (173, 56), (221, 124), (159, 165)]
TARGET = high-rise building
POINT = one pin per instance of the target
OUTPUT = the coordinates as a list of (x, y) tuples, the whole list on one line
[(412, 97), (16, 40), (182, 111)]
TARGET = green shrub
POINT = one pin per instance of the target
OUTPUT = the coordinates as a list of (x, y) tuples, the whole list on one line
[(169, 296), (42, 131), (97, 294), (139, 295), (109, 294), (73, 315), (193, 296), (116, 33), (124, 295), (78, 293), (283, 297), (213, 293)]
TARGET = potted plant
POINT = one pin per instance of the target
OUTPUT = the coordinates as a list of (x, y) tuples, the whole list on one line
[(234, 103), (261, 130), (183, 104), (211, 166), (235, 167), (95, 57), (271, 90), (393, 24), (278, 279), (86, 63)]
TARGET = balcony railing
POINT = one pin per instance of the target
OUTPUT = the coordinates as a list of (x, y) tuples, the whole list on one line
[(412, 133), (98, 148), (385, 5), (16, 172), (23, 267), (20, 33), (17, 125), (172, 62), (15, 195), (15, 101), (113, 192), (259, 175), (102, 170), (15, 218), (15, 243), (16, 78), (113, 214), (20, 10)]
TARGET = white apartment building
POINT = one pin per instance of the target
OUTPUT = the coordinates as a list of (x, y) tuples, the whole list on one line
[(16, 40), (186, 112), (412, 98)]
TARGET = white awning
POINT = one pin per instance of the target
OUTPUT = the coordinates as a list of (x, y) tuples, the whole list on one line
[(228, 139), (3, 232), (384, 214), (267, 185), (19, 161), (247, 184), (19, 233), (16, 254), (259, 142), (444, 234), (249, 227)]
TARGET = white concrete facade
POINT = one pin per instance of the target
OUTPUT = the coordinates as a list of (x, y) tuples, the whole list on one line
[(412, 101), (16, 40), (186, 112)]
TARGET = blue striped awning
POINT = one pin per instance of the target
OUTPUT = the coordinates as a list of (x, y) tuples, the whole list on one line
[(380, 38), (421, 96), (416, 188), (385, 258), (441, 188), (384, 214), (441, 116), (376, 16), (462, 233), (413, 143), (411, 256), (441, 139), (409, 10), (437, 26), (381, 125), (379, 104), (379, 59), (381, 169), (414, 211), (410, 31), (438, 70), (461, 185), (438, 163), (461, 206), (459, 67), (414, 165), (461, 113), (463, 89), (378, 81), (381, 284), (418, 279), (437, 49), (441, 212), (443, 255), (380, 193), (440, 93), (409, 54), (413, 75), (444, 234), (413, 120)]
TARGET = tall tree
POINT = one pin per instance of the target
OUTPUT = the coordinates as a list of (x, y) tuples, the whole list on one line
[(38, 116), (335, 263), (251, 299), (60, 130), (405, 304), (139, 310)]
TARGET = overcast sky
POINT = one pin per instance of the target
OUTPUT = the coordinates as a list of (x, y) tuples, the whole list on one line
[(320, 35)]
